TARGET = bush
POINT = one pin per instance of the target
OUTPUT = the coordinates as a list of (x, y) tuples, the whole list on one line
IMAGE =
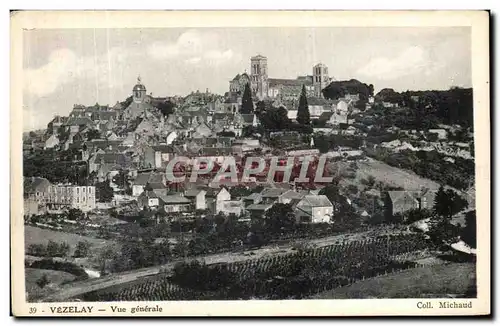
[(43, 281), (37, 249), (55, 249), (68, 267), (82, 249)]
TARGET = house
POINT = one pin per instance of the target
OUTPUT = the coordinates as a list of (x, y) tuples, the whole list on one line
[(36, 189), (258, 210), (154, 180), (251, 199), (77, 124), (71, 196), (232, 207), (400, 201), (197, 197), (171, 136), (314, 209), (116, 160), (279, 195), (317, 106), (52, 141), (160, 199), (157, 156), (441, 133), (216, 199), (100, 146)]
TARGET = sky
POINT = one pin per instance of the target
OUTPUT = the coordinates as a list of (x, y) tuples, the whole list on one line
[(64, 67)]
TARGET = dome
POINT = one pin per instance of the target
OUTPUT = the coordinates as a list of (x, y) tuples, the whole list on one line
[(139, 86)]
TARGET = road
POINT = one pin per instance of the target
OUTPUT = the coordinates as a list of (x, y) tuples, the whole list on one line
[(76, 289)]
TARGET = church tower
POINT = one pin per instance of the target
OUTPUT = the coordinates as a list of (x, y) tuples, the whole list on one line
[(320, 79), (258, 76), (139, 91)]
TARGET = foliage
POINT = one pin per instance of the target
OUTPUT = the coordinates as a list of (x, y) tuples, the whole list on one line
[(430, 165), (240, 191), (226, 133), (322, 143), (82, 249), (442, 232), (338, 89), (122, 179), (469, 232), (104, 191), (303, 115), (453, 106), (448, 203), (63, 266), (279, 217), (52, 249), (414, 215), (275, 119), (57, 167), (43, 281), (55, 249), (166, 107), (246, 101), (75, 214), (289, 276)]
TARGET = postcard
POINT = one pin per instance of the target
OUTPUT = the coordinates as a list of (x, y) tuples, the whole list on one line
[(250, 163)]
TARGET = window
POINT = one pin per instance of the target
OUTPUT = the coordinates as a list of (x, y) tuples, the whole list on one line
[(77, 191), (83, 189)]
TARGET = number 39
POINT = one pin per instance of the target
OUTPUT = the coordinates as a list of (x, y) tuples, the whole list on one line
[(32, 310)]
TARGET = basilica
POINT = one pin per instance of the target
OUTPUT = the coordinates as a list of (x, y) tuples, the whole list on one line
[(264, 87)]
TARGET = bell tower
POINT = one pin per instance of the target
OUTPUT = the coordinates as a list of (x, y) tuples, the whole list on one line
[(259, 82), (139, 91)]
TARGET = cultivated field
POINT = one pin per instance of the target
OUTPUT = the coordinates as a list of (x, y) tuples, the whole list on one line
[(433, 281)]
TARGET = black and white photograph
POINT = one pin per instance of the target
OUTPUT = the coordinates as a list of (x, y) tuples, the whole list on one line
[(250, 163)]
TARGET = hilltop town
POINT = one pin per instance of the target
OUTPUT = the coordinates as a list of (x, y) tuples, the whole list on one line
[(99, 176)]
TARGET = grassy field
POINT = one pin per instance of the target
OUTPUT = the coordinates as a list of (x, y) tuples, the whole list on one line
[(434, 281), (55, 278), (38, 235), (391, 175)]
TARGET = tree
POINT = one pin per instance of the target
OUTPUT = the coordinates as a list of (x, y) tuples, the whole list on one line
[(260, 108), (166, 107), (122, 180), (246, 101), (322, 143), (82, 249), (75, 214), (280, 216), (104, 192), (442, 203), (469, 232), (303, 115), (448, 203), (43, 281)]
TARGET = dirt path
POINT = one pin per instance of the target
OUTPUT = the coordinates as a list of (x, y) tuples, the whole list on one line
[(79, 288)]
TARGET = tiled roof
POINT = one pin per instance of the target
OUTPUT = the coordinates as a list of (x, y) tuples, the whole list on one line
[(288, 82), (316, 201), (163, 148), (78, 121), (273, 193), (259, 207)]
